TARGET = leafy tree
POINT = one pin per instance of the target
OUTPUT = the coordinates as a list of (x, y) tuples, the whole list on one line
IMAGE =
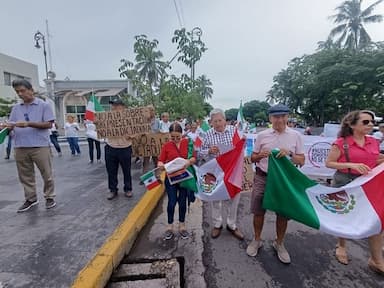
[(6, 106), (189, 48), (204, 87), (147, 72), (326, 85), (231, 114), (350, 20)]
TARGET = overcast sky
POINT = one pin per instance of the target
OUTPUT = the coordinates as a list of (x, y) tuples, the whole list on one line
[(248, 41)]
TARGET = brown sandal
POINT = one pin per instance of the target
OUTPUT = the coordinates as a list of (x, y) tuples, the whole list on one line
[(341, 255)]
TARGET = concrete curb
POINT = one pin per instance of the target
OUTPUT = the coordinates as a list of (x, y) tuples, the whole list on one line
[(98, 271)]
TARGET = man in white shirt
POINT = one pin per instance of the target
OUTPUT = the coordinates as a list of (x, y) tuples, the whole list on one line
[(165, 123)]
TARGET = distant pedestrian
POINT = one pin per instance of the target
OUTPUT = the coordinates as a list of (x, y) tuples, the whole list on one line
[(92, 141), (118, 152), (9, 146), (379, 136), (30, 121), (155, 128), (164, 123), (72, 133), (53, 136)]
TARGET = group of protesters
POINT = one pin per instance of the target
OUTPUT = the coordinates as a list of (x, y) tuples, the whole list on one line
[(354, 153)]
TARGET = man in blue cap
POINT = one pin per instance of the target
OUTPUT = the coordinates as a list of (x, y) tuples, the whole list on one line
[(290, 144)]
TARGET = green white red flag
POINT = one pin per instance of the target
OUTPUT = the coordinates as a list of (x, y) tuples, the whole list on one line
[(221, 178), (93, 106), (354, 211)]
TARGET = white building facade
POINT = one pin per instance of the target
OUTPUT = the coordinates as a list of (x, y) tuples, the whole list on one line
[(12, 68)]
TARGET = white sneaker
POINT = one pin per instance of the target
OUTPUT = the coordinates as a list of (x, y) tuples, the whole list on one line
[(282, 253), (253, 247)]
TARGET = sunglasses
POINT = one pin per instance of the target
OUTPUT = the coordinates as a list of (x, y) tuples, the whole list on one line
[(366, 122), (26, 117)]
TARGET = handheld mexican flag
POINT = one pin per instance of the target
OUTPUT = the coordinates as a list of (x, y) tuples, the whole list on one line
[(354, 211), (150, 180), (199, 139), (93, 106), (221, 178), (239, 125), (3, 135)]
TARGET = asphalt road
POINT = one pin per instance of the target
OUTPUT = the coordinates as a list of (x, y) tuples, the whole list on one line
[(47, 248), (312, 254)]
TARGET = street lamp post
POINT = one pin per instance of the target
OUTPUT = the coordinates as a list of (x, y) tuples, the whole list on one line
[(195, 32), (40, 36)]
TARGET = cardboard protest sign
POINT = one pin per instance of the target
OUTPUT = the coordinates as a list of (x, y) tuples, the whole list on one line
[(247, 175), (119, 124), (148, 144)]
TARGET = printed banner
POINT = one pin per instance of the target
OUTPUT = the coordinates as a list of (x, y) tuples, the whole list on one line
[(316, 152), (148, 144), (118, 124)]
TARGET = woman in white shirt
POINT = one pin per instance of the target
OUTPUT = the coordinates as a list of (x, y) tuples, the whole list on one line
[(71, 132)]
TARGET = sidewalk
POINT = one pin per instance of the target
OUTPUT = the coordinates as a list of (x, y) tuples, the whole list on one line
[(47, 248)]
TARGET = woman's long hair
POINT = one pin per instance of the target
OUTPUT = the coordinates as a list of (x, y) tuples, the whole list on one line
[(351, 119)]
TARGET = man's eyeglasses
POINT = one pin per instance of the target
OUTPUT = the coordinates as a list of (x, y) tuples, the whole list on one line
[(366, 122), (26, 117)]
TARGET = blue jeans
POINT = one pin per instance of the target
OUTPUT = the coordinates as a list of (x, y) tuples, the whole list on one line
[(55, 143), (74, 145), (173, 198)]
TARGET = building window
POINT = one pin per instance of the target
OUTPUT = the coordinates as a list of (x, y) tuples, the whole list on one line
[(76, 110), (7, 79)]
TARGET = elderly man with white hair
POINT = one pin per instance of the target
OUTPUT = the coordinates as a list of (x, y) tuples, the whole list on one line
[(218, 140)]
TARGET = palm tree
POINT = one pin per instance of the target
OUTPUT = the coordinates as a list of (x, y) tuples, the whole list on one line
[(204, 87), (350, 20), (148, 71)]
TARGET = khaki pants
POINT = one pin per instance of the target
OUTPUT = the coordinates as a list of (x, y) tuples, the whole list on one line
[(25, 160)]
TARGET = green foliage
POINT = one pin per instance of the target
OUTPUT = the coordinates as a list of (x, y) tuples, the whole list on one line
[(191, 49), (326, 85), (180, 96), (6, 106), (350, 20), (253, 111)]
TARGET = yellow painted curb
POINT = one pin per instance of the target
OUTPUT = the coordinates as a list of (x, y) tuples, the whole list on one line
[(98, 271)]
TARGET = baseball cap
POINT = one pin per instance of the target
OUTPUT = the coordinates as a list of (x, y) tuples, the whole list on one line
[(278, 109), (116, 101)]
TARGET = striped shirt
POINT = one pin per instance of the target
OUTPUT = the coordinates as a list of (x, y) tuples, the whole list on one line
[(223, 140)]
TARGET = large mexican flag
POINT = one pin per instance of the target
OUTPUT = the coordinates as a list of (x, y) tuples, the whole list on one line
[(353, 211), (221, 178)]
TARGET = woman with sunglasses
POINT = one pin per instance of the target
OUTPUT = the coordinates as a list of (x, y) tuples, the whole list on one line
[(176, 147), (354, 154)]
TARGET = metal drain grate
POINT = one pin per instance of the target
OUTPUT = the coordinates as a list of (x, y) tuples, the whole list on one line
[(149, 273)]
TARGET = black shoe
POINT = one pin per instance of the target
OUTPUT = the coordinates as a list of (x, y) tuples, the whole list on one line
[(112, 195), (141, 183), (27, 205), (6, 157), (50, 203)]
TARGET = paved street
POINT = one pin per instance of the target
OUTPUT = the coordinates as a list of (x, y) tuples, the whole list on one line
[(41, 248), (313, 263)]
